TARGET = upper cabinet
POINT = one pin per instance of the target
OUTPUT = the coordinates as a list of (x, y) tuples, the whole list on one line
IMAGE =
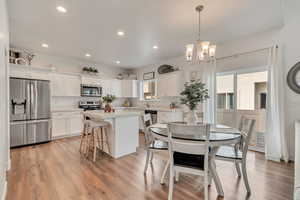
[(65, 85), (129, 88), (120, 88), (170, 84), (90, 80)]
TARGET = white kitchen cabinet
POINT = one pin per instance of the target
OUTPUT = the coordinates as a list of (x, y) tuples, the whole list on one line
[(31, 72), (76, 125), (120, 88), (89, 80), (170, 84), (116, 88), (66, 124), (169, 116), (129, 88), (65, 85), (59, 127)]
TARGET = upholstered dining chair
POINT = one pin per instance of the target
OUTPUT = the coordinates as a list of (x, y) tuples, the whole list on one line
[(188, 156), (238, 152), (152, 144)]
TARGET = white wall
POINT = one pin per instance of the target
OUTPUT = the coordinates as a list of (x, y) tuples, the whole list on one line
[(290, 36), (4, 128)]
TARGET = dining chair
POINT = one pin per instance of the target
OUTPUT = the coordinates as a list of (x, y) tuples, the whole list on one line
[(238, 152), (152, 144), (188, 156)]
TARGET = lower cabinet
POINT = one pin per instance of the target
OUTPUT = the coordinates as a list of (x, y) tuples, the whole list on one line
[(66, 124)]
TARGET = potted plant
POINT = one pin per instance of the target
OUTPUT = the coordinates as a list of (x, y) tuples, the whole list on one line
[(193, 94), (108, 99), (90, 70)]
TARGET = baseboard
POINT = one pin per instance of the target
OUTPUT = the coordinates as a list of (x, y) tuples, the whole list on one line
[(65, 136), (4, 191), (273, 159)]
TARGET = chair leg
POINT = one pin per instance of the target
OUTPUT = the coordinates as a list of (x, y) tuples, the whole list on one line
[(81, 139), (237, 167), (176, 176), (206, 186), (171, 183), (95, 146), (245, 177), (147, 161), (107, 142), (162, 179), (151, 157)]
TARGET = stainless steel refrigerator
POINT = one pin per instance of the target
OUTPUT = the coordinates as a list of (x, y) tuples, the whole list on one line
[(30, 121)]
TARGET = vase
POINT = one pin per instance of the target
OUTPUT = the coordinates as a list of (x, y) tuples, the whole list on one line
[(192, 118), (107, 107)]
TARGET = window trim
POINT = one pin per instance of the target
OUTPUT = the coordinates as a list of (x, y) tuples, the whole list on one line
[(142, 90)]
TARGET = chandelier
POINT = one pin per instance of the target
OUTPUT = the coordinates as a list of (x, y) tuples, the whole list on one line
[(202, 50)]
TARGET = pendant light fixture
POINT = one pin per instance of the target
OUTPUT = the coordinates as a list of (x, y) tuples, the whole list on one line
[(202, 50)]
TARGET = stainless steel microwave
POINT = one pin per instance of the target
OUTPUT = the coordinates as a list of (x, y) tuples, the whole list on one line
[(91, 90)]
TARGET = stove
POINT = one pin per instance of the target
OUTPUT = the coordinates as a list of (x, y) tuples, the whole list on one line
[(90, 105)]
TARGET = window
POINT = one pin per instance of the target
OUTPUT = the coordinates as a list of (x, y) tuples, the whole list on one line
[(148, 90), (249, 88), (225, 92)]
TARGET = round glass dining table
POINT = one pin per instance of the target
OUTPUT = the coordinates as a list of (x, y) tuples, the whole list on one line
[(219, 135)]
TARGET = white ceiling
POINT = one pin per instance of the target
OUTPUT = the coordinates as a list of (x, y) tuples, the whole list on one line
[(90, 26)]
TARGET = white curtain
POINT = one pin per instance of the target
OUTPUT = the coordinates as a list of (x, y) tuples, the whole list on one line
[(209, 78), (276, 146)]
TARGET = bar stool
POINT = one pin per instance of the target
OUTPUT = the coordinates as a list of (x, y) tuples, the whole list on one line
[(99, 136)]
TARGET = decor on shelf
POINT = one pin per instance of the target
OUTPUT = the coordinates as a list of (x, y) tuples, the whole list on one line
[(20, 57), (193, 94), (90, 70), (120, 76), (293, 78), (28, 56), (108, 99), (204, 51), (163, 69), (149, 76)]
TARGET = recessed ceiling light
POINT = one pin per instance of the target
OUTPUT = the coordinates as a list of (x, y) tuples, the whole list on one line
[(61, 9), (45, 45), (121, 33), (87, 55), (118, 62), (155, 47)]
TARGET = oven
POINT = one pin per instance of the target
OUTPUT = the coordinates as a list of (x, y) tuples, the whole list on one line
[(91, 90)]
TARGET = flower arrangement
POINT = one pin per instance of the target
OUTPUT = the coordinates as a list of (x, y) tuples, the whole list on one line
[(108, 99), (194, 94)]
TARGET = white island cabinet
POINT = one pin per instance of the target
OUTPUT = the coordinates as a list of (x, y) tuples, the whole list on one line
[(123, 131)]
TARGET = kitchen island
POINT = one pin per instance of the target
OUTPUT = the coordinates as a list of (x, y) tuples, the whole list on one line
[(123, 133)]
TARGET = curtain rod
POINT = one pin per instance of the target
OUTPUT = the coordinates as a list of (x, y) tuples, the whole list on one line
[(245, 53)]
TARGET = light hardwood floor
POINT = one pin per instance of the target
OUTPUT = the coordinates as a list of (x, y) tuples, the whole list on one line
[(57, 171)]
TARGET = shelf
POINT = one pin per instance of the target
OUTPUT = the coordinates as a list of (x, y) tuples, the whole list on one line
[(31, 68)]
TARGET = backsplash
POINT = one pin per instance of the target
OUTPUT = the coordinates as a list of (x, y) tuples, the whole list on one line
[(72, 102)]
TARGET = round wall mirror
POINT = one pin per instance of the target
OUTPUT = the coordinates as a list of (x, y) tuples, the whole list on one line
[(293, 78)]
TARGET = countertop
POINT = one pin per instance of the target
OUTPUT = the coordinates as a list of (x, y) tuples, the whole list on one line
[(66, 110), (117, 114)]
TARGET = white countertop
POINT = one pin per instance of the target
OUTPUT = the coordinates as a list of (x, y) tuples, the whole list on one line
[(66, 109), (104, 115)]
